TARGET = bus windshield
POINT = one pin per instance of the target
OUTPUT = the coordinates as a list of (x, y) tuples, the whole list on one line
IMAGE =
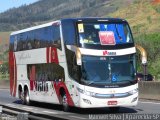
[(104, 33), (110, 69)]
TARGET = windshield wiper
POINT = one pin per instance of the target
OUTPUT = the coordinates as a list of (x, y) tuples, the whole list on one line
[(92, 82), (118, 33), (130, 81)]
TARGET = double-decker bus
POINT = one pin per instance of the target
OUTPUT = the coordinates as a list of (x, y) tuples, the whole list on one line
[(80, 62)]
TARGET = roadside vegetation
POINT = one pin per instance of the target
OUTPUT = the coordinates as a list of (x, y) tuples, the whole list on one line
[(151, 43), (4, 46)]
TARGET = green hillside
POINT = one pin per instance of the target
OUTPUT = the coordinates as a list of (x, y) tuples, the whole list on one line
[(142, 15), (47, 10)]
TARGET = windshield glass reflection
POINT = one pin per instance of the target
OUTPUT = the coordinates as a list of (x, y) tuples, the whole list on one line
[(104, 33), (115, 69)]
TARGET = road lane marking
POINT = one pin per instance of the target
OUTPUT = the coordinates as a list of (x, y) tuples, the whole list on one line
[(8, 104), (50, 112), (77, 117), (11, 105), (149, 102), (27, 108), (5, 89)]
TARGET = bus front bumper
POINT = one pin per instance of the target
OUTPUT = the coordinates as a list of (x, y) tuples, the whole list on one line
[(92, 102)]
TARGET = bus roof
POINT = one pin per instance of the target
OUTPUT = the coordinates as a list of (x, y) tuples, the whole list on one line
[(92, 19), (95, 19), (33, 28)]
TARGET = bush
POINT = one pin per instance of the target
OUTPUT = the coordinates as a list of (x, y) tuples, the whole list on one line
[(151, 43)]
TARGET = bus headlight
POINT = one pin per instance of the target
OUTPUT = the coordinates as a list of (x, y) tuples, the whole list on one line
[(133, 91), (90, 93), (86, 92)]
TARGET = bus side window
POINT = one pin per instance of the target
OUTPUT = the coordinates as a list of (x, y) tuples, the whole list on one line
[(73, 68), (56, 39), (76, 69), (37, 43), (29, 45)]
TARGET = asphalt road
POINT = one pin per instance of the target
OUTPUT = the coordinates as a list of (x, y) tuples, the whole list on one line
[(143, 107)]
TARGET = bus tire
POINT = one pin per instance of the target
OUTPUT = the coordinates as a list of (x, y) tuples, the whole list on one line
[(65, 105), (20, 93), (114, 109), (22, 98), (26, 100)]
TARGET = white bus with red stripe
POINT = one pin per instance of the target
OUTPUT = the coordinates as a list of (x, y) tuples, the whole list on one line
[(80, 62)]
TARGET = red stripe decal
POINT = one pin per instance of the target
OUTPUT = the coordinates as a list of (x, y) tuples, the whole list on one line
[(51, 55), (57, 86), (32, 76), (47, 54), (13, 73)]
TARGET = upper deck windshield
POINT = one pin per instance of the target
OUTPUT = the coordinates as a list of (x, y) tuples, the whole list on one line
[(107, 70), (104, 33)]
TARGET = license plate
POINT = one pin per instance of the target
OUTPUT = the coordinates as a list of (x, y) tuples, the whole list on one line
[(112, 102)]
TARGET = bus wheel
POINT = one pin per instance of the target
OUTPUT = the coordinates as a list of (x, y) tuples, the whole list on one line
[(20, 94), (26, 99), (65, 103), (114, 109)]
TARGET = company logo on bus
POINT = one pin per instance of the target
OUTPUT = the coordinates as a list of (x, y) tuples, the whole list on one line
[(108, 53)]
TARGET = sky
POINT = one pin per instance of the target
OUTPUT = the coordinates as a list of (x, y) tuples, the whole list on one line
[(7, 4)]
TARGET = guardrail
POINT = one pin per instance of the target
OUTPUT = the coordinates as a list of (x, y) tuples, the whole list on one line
[(4, 84), (22, 114), (149, 90)]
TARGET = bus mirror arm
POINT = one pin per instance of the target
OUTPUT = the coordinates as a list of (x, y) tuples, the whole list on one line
[(78, 57), (143, 59)]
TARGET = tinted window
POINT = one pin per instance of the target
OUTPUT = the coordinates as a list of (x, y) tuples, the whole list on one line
[(46, 72), (104, 33), (73, 68), (39, 38), (69, 32)]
